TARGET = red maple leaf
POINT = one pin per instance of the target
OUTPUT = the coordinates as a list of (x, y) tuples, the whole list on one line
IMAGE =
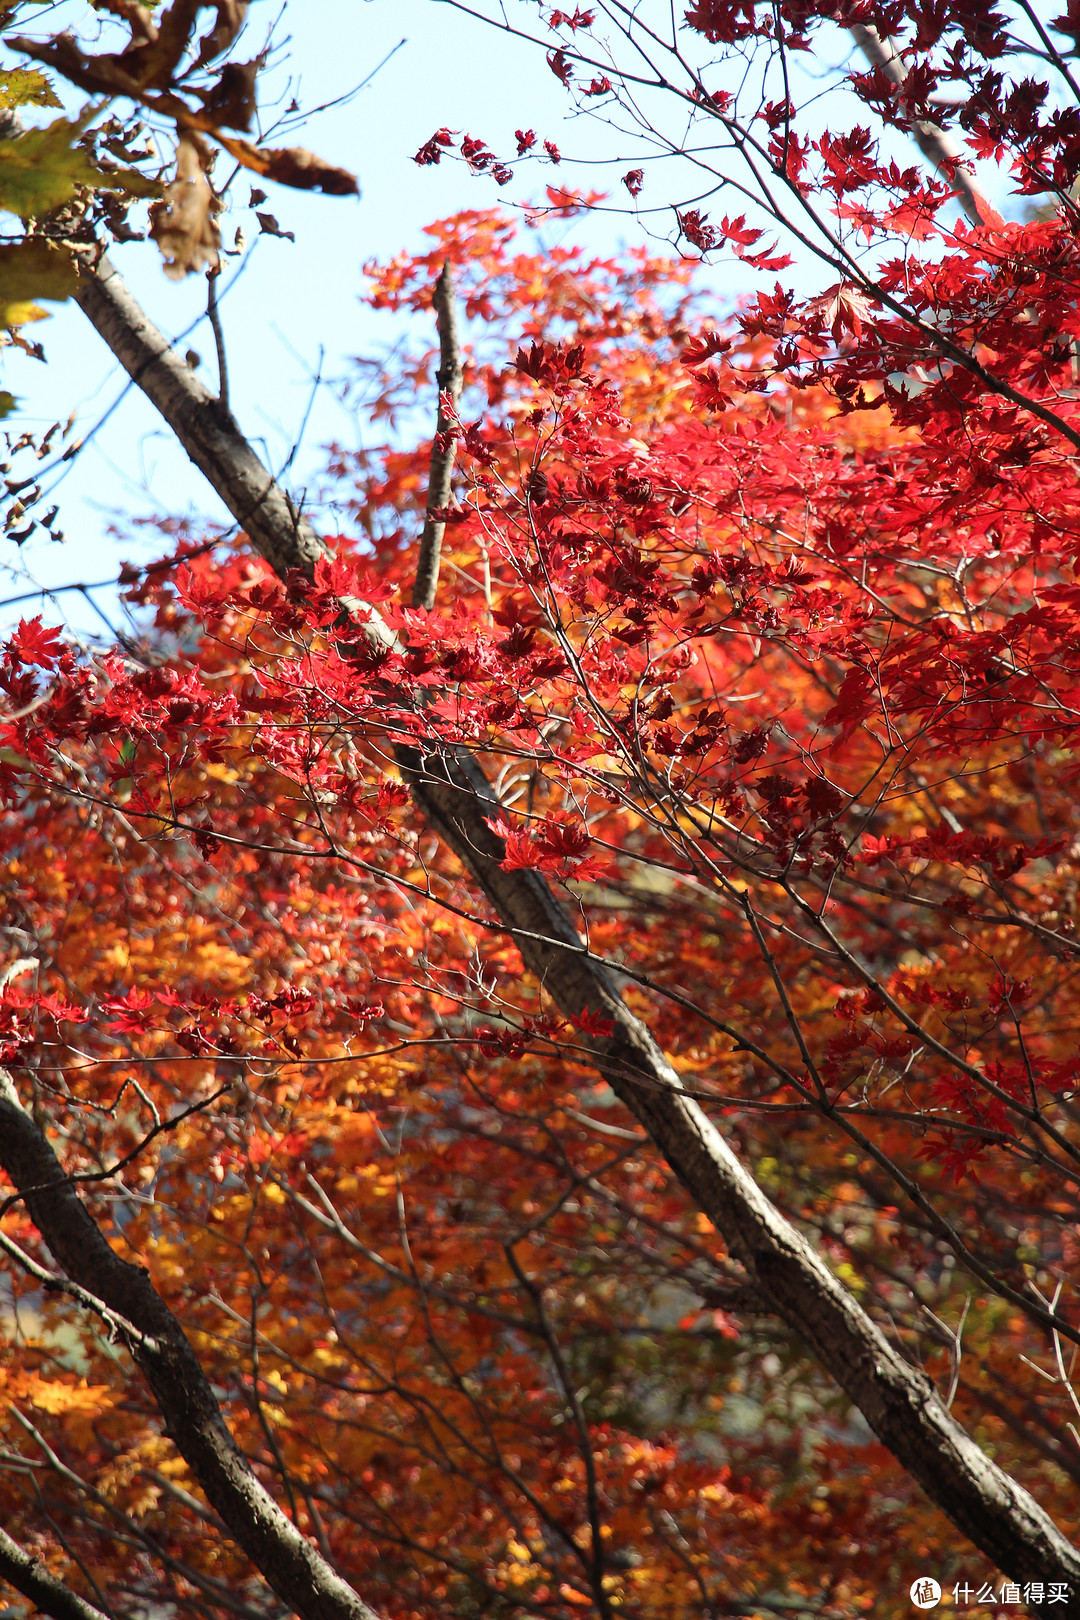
[(33, 644), (841, 308)]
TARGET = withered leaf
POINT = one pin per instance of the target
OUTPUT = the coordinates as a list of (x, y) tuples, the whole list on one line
[(270, 227), (158, 58), (139, 17), (150, 59), (114, 213), (232, 100), (295, 166), (107, 75), (183, 223), (230, 20)]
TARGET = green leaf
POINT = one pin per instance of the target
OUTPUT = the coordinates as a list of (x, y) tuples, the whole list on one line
[(8, 403), (31, 270), (42, 169), (130, 181), (27, 87)]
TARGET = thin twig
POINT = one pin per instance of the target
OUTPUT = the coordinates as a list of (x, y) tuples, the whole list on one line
[(214, 318)]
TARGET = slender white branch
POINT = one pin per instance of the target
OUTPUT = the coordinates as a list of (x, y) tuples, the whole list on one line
[(935, 144)]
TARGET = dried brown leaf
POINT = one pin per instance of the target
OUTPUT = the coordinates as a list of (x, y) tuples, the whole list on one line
[(232, 99), (270, 227), (295, 166), (183, 223), (139, 17), (107, 75), (158, 58), (230, 20)]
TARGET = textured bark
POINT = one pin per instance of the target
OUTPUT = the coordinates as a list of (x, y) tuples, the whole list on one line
[(49, 1595), (211, 438), (440, 477), (898, 1401), (299, 1575)]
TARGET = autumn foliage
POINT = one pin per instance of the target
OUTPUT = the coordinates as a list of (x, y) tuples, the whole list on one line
[(793, 730), (765, 626)]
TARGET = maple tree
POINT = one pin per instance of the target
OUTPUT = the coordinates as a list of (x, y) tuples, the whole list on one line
[(567, 1007)]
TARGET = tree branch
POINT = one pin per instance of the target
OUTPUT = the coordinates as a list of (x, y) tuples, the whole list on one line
[(935, 143), (443, 446), (898, 1401), (47, 1592), (298, 1574), (214, 316)]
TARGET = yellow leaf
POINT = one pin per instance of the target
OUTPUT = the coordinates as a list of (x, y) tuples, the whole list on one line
[(41, 169), (81, 1397), (24, 87), (21, 314)]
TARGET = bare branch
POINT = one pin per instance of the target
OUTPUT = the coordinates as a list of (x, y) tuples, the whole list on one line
[(214, 317), (449, 379), (47, 1592), (298, 1574)]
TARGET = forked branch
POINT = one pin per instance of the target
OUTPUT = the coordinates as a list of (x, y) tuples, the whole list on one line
[(790, 1276)]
